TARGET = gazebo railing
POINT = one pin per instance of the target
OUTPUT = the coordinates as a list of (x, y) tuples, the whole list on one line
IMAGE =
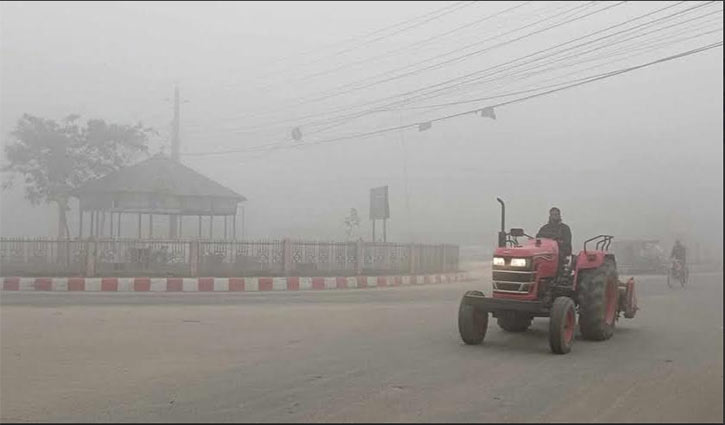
[(157, 257)]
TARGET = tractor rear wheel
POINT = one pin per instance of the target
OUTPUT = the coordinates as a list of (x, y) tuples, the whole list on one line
[(597, 293), (472, 322), (512, 321), (561, 325)]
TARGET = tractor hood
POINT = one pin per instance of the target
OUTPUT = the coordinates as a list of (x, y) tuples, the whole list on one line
[(529, 248)]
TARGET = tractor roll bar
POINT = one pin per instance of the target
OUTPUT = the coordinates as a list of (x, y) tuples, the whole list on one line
[(602, 245)]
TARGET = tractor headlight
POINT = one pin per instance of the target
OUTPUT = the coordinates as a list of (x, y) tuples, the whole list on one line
[(519, 262), (498, 261)]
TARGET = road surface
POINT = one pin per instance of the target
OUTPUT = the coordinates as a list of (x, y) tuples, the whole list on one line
[(368, 355)]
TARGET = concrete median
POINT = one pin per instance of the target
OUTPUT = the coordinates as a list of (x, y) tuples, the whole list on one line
[(222, 284)]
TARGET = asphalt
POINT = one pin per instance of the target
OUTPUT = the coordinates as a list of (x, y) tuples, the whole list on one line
[(367, 355)]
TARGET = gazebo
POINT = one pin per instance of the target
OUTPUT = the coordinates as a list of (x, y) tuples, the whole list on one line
[(156, 186)]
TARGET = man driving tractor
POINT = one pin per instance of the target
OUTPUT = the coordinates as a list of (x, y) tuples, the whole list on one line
[(558, 231)]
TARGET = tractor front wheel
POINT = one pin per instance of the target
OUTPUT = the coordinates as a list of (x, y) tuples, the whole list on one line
[(472, 322), (561, 325)]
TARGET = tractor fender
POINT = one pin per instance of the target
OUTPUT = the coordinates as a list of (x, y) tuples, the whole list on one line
[(592, 259)]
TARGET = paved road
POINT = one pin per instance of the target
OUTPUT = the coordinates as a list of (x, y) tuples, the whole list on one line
[(376, 355)]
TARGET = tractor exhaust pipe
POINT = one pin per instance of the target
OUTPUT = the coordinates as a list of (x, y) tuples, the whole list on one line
[(502, 233)]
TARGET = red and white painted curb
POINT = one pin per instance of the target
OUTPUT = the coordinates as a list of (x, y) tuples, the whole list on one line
[(219, 284)]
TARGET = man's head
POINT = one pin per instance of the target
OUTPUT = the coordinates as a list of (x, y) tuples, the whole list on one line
[(554, 215), (677, 242)]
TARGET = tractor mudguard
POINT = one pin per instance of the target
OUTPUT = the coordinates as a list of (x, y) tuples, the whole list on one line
[(591, 259), (629, 299)]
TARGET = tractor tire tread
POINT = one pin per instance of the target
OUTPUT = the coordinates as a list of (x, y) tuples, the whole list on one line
[(472, 324), (592, 303)]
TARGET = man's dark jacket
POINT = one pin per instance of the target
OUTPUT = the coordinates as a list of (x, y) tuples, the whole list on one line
[(560, 232)]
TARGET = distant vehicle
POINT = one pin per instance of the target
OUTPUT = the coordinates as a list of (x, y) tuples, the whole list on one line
[(640, 256)]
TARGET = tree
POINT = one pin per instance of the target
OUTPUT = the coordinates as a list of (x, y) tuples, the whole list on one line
[(56, 157), (352, 222)]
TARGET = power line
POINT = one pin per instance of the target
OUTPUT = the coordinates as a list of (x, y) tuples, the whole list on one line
[(439, 106), (333, 90), (608, 75), (458, 58), (415, 44), (286, 122), (651, 46), (625, 49), (437, 16), (501, 67), (628, 54), (579, 54), (425, 92), (461, 85), (448, 61), (566, 62), (498, 105), (436, 13)]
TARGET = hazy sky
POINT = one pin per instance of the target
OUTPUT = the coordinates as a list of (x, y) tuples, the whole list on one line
[(636, 155)]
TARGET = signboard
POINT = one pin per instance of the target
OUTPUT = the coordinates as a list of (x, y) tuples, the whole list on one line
[(379, 208)]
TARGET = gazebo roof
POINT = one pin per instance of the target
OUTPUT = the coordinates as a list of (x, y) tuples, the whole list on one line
[(158, 174)]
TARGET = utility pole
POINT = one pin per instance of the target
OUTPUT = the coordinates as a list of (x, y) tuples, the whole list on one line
[(175, 145), (175, 142)]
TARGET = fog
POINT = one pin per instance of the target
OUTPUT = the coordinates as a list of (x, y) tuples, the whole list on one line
[(635, 155)]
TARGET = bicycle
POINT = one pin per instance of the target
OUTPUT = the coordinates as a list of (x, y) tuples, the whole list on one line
[(679, 272)]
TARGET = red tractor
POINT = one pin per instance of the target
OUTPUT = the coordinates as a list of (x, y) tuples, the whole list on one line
[(530, 280)]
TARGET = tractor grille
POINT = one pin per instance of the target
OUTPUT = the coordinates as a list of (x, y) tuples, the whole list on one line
[(511, 287), (513, 281), (511, 276)]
